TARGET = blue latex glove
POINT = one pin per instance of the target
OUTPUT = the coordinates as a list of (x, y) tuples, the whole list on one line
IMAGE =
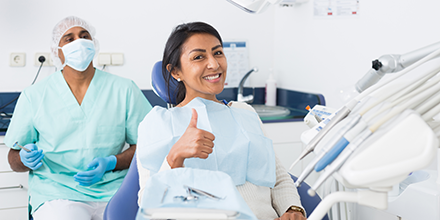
[(98, 167), (33, 158)]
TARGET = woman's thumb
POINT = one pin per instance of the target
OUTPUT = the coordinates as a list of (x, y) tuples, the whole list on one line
[(194, 117)]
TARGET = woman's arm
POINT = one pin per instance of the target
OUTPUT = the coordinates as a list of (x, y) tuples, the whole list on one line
[(284, 194)]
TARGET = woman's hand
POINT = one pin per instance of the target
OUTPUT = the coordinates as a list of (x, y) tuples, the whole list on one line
[(193, 143), (291, 215)]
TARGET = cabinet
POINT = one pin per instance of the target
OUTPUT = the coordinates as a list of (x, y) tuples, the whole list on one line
[(286, 138), (13, 189)]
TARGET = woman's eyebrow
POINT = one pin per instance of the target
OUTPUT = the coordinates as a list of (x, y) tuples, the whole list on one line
[(197, 50), (203, 50), (214, 48)]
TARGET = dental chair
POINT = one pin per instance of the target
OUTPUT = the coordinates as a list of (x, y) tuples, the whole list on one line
[(123, 205)]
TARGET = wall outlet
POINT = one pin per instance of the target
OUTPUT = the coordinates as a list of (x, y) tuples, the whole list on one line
[(47, 62), (17, 59)]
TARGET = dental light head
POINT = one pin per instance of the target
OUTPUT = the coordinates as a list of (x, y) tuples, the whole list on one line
[(253, 6)]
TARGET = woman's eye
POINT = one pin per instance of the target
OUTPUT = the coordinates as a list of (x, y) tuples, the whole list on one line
[(198, 57), (218, 53)]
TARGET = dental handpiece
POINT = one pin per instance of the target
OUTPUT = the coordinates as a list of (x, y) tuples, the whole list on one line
[(306, 172), (341, 114), (340, 146), (337, 164)]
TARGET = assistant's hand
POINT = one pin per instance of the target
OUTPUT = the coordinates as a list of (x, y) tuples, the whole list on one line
[(33, 158), (193, 143), (98, 167), (292, 215)]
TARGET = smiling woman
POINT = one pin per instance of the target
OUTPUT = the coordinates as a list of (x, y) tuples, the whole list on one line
[(184, 51), (203, 68), (202, 132)]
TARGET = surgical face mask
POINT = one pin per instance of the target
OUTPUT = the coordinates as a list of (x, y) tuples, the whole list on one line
[(78, 54)]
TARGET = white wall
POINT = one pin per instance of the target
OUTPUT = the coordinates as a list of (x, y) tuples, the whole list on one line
[(138, 29), (319, 55), (326, 55)]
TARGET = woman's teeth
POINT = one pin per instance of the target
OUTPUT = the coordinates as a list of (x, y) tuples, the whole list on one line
[(212, 77)]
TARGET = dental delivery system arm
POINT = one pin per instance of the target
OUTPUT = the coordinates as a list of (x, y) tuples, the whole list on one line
[(407, 62), (391, 63), (408, 96)]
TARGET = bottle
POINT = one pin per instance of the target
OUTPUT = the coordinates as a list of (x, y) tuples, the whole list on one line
[(271, 91)]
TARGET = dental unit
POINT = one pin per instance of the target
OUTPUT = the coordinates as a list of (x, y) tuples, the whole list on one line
[(361, 134), (386, 103), (379, 90)]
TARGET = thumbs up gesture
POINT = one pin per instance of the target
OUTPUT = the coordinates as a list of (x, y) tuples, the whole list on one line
[(193, 143)]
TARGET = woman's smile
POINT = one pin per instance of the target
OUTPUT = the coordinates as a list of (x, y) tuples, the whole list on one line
[(213, 78)]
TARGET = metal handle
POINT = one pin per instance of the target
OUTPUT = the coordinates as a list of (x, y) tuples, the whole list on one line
[(12, 187)]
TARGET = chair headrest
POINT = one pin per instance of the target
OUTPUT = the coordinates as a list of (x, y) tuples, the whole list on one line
[(159, 86)]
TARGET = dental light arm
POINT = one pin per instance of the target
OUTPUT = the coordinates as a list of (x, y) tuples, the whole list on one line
[(253, 6), (391, 63)]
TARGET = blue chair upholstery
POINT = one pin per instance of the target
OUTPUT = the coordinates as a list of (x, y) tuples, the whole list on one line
[(308, 202), (159, 86), (123, 205)]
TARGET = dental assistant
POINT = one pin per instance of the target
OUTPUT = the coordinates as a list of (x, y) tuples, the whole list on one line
[(203, 132), (76, 123)]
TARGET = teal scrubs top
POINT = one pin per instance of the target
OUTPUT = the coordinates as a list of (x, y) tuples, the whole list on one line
[(72, 135)]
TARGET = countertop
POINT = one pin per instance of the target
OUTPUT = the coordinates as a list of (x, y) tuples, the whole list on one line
[(295, 101)]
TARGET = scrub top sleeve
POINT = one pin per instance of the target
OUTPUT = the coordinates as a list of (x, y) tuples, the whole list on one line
[(137, 107), (21, 129)]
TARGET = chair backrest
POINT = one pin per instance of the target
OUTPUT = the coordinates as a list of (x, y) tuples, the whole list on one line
[(123, 205), (159, 85), (308, 202)]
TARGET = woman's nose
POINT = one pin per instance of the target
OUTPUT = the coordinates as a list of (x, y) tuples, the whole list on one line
[(213, 63)]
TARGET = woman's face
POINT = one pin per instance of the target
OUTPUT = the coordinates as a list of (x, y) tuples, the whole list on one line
[(203, 67), (71, 35)]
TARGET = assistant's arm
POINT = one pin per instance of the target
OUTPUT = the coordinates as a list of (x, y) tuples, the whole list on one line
[(15, 162), (123, 159)]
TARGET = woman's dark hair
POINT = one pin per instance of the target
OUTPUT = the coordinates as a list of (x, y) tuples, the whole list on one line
[(173, 50)]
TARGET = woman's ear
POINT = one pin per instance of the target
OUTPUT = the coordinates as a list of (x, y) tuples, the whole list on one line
[(174, 73)]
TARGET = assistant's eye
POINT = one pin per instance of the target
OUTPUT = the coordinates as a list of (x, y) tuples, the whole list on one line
[(86, 36)]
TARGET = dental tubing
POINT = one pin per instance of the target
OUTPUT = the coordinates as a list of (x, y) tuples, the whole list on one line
[(338, 148), (431, 113), (346, 139), (306, 172), (415, 100), (325, 126), (337, 164)]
